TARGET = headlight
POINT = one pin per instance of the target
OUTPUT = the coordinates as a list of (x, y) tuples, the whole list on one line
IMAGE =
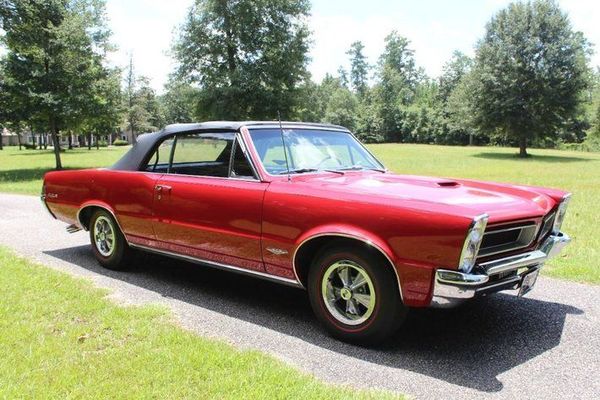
[(472, 243), (560, 213)]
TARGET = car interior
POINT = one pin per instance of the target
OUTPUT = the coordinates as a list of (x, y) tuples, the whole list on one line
[(201, 155)]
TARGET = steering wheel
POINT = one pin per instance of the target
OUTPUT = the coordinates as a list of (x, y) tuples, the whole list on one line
[(329, 157)]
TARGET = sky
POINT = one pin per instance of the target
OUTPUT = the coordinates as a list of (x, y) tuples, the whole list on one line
[(145, 29)]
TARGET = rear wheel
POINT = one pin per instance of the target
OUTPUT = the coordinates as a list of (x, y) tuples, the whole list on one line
[(355, 296), (108, 243)]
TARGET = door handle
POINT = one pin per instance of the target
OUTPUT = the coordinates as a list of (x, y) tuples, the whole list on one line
[(163, 188)]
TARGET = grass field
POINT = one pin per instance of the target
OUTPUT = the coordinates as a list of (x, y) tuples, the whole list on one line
[(21, 172), (60, 338)]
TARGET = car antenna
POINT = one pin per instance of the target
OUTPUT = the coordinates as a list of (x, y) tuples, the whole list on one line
[(287, 165)]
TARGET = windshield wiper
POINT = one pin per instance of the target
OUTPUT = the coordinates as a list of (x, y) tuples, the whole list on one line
[(360, 167), (298, 171), (303, 170)]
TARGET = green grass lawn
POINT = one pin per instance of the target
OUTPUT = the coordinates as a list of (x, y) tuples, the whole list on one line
[(61, 338), (21, 172)]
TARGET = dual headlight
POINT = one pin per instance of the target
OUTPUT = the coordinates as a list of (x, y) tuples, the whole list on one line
[(472, 242), (560, 214)]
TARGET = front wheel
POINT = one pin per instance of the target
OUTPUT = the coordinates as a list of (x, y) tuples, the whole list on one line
[(108, 243), (355, 296)]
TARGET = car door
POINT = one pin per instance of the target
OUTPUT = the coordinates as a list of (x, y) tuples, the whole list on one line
[(133, 192), (208, 205)]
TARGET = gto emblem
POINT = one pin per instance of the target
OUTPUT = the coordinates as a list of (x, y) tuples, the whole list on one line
[(277, 252)]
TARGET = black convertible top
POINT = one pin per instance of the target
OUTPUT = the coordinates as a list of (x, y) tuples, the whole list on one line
[(133, 159)]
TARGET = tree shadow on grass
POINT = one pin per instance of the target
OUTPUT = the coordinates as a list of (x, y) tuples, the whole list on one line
[(24, 175), (531, 157), (469, 346)]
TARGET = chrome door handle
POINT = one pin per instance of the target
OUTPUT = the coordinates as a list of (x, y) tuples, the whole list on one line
[(163, 188)]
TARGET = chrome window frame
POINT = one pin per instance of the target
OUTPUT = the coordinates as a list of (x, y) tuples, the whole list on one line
[(238, 137), (308, 127)]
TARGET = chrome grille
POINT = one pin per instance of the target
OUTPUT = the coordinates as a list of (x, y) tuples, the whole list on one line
[(507, 239)]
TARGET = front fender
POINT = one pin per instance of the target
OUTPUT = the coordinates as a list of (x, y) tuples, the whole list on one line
[(349, 231)]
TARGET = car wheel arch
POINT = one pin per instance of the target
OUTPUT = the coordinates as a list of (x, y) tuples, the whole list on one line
[(312, 245), (86, 211)]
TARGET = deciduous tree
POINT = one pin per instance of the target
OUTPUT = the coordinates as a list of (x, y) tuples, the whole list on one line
[(247, 56), (531, 69), (55, 54)]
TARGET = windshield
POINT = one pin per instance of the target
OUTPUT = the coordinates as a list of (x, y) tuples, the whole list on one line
[(311, 150)]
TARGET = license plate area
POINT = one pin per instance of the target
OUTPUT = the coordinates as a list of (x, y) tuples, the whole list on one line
[(528, 281)]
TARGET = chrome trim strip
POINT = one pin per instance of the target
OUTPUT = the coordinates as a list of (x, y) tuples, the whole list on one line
[(514, 262), (368, 242), (226, 267), (461, 278), (43, 199), (104, 208), (285, 125), (481, 217), (239, 139), (510, 229)]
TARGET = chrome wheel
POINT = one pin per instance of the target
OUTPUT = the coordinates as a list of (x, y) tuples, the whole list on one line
[(348, 292), (104, 236)]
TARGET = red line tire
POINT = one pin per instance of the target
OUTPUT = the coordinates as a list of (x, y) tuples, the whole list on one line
[(354, 294), (108, 243)]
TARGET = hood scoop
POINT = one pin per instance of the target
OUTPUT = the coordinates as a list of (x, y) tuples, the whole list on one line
[(447, 184)]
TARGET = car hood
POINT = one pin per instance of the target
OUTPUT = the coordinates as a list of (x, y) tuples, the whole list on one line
[(502, 202)]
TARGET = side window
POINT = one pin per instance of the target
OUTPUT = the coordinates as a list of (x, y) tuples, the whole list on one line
[(159, 162), (240, 166), (206, 154)]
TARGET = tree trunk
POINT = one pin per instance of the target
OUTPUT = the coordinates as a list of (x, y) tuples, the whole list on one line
[(70, 142), (1, 144), (470, 139), (523, 147), (133, 138), (89, 141), (19, 139), (56, 143), (97, 142), (35, 141)]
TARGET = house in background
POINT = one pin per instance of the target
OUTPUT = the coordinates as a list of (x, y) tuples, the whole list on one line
[(39, 139), (9, 138)]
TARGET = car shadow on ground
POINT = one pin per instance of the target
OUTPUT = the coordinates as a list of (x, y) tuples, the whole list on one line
[(468, 346)]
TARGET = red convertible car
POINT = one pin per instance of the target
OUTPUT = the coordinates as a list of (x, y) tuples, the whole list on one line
[(308, 206)]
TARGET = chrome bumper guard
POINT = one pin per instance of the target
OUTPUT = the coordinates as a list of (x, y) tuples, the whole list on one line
[(453, 287)]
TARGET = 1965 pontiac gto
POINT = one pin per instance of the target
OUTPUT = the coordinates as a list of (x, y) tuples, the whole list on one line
[(308, 206)]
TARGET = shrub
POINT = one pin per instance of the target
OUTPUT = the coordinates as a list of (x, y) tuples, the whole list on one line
[(29, 146), (102, 143), (120, 142)]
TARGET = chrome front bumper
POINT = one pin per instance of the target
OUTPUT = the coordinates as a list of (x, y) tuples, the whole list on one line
[(454, 287)]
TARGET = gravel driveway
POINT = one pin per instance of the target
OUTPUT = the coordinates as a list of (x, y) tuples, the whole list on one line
[(546, 345)]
